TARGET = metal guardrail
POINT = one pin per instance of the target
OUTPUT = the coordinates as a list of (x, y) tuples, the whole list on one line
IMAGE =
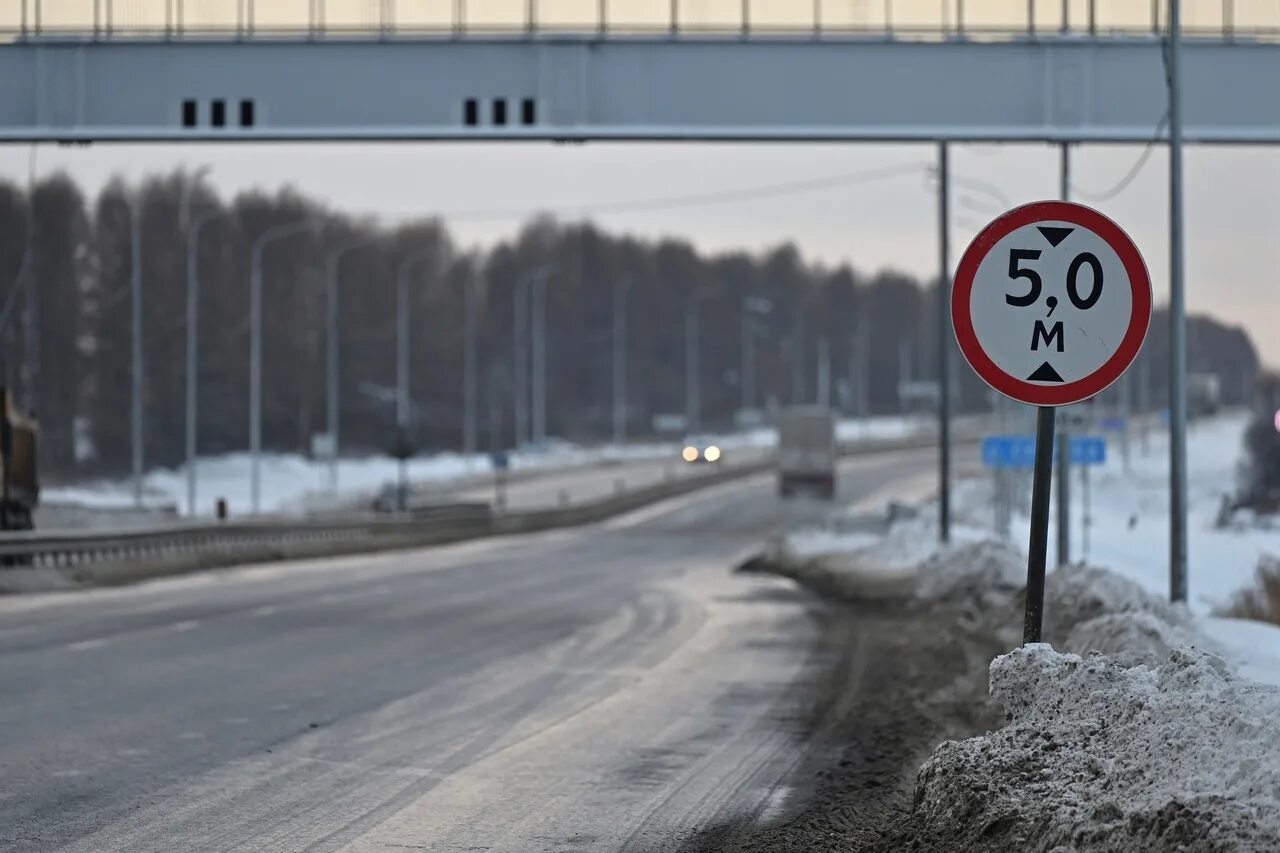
[(97, 558), (390, 19), (226, 541)]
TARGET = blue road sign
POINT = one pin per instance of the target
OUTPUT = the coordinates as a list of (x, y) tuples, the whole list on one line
[(1019, 451), (500, 460)]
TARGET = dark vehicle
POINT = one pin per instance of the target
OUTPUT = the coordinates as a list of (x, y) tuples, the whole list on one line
[(19, 478)]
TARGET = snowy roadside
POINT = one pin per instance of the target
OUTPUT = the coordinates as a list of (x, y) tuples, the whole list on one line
[(1138, 725), (293, 484)]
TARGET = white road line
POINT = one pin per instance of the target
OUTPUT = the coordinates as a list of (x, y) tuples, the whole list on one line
[(185, 626), (86, 645)]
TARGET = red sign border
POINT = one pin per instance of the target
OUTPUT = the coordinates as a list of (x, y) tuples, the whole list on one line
[(1102, 378)]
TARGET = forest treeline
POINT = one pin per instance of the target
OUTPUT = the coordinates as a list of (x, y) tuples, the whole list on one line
[(65, 268)]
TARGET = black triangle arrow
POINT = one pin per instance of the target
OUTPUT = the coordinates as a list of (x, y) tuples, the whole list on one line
[(1045, 373), (1054, 234)]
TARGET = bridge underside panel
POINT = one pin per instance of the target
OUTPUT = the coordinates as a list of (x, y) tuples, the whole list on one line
[(1068, 89)]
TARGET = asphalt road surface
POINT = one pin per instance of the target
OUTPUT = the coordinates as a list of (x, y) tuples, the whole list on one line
[(611, 687)]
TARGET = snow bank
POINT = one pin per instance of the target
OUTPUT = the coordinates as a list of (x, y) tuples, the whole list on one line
[(1102, 757), (292, 483)]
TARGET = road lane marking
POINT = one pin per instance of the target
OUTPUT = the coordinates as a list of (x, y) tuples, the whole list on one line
[(188, 625), (86, 645)]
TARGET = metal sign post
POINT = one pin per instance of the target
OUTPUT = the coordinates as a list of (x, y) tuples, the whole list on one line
[(1050, 306)]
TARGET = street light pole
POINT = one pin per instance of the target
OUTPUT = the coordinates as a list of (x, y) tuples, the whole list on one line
[(193, 328), (403, 331), (279, 232), (136, 341), (1177, 324), (469, 388), (539, 310), (332, 348), (520, 323), (944, 346), (1064, 437), (620, 360), (193, 352)]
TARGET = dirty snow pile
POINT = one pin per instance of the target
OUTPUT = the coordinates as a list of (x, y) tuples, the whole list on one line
[(1098, 756), (1135, 735)]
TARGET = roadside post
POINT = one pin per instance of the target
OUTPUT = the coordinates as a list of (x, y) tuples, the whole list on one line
[(1050, 306), (501, 464)]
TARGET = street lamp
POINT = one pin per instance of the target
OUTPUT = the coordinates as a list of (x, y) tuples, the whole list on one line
[(620, 290), (135, 289), (519, 337), (193, 351), (403, 330), (331, 334), (193, 328), (269, 236)]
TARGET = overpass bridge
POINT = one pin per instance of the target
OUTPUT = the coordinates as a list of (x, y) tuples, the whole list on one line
[(577, 70)]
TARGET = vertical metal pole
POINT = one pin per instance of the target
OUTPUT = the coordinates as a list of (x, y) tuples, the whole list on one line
[(602, 18), (1039, 538), (332, 365), (1126, 410), (692, 402), (31, 300), (1064, 442), (944, 346), (1066, 16), (824, 372), (675, 18), (1093, 17), (620, 362), (519, 336), (864, 363), (1177, 324), (746, 18), (904, 371), (539, 324), (1086, 520), (402, 353), (138, 382), (193, 352), (469, 367), (255, 375), (1031, 16), (748, 367), (797, 355)]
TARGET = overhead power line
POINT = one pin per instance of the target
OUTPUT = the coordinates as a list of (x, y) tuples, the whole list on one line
[(728, 196)]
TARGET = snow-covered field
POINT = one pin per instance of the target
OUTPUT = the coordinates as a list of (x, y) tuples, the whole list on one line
[(1129, 532), (292, 483)]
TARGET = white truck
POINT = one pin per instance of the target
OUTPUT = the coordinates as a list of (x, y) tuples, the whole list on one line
[(807, 451)]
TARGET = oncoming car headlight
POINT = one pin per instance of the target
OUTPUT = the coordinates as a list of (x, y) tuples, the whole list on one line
[(711, 454), (689, 454)]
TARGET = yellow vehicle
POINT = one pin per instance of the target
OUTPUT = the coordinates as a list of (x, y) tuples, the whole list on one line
[(19, 479)]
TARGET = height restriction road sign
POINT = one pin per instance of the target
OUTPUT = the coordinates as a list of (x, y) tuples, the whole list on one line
[(1051, 303)]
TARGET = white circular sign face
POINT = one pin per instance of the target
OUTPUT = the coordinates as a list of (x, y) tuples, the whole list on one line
[(1051, 303)]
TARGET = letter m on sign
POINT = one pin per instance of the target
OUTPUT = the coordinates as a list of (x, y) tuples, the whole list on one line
[(1047, 335)]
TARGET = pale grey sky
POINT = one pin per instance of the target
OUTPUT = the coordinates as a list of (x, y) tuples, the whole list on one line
[(1232, 197)]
